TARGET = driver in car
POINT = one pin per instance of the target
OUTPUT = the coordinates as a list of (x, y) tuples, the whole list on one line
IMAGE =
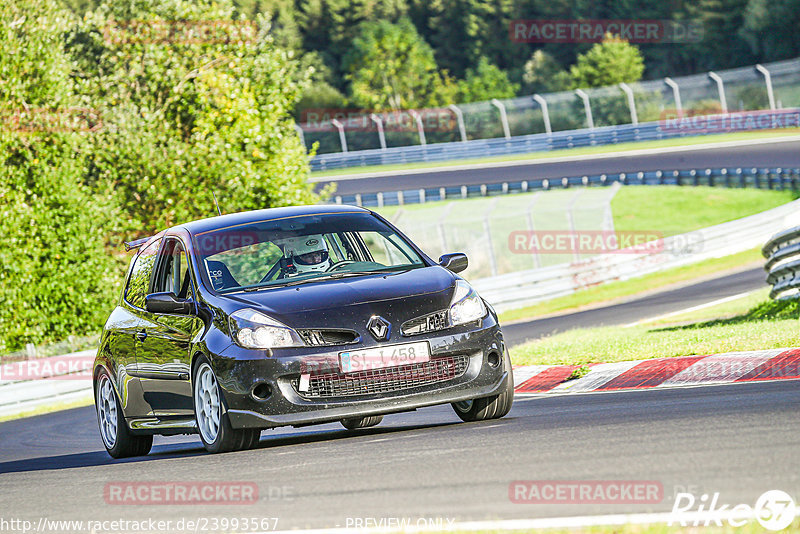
[(307, 254)]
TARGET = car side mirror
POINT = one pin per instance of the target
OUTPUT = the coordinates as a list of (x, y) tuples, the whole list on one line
[(455, 262), (168, 303)]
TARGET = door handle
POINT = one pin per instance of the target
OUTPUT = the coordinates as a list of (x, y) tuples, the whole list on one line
[(141, 336)]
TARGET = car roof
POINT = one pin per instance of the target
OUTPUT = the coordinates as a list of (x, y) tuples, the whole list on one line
[(247, 217)]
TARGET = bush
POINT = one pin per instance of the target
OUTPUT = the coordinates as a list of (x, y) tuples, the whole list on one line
[(57, 278), (608, 63)]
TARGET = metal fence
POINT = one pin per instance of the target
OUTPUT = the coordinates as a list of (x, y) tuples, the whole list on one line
[(480, 227), (783, 264), (608, 135), (522, 288), (342, 138)]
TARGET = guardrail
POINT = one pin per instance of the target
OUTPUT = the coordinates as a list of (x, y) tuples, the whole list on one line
[(541, 142), (782, 252), (29, 384), (527, 287), (758, 178)]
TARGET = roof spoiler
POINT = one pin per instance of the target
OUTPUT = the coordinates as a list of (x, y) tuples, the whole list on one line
[(132, 245)]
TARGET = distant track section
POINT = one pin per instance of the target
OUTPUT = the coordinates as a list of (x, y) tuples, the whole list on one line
[(762, 153), (669, 300)]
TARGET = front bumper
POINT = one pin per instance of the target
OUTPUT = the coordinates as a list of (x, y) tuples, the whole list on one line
[(240, 370)]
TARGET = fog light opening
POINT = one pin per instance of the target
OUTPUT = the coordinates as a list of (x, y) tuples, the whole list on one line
[(262, 391), (493, 359)]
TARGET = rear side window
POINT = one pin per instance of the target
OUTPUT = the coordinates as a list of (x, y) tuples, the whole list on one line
[(139, 281)]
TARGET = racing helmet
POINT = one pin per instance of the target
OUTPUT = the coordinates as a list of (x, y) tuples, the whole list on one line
[(307, 253)]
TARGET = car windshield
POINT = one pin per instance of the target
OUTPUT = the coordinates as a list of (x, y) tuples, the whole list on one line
[(296, 250)]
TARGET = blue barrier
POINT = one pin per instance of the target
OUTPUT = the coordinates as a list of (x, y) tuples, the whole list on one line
[(758, 178)]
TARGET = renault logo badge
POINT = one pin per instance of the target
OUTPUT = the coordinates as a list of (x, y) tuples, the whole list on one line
[(379, 327)]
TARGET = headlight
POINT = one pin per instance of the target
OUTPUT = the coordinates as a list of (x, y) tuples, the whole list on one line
[(466, 305), (254, 330)]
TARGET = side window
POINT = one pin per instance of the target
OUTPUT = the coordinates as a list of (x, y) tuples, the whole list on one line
[(139, 281), (173, 275)]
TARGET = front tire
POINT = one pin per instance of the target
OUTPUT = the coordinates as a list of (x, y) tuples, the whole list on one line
[(493, 407), (211, 414), (117, 438), (354, 423)]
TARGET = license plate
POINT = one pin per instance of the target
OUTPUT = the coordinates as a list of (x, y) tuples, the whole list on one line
[(381, 357)]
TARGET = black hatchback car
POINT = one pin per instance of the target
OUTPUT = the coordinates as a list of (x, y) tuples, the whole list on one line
[(291, 316)]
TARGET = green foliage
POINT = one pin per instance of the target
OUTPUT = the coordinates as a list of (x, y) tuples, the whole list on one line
[(543, 74), (752, 97), (722, 45), (773, 309), (608, 63), (321, 95), (391, 67), (203, 117), (770, 27), (34, 72), (485, 82), (57, 279)]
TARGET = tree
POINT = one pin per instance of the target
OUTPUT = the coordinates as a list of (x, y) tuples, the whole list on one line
[(486, 82), (771, 28), (608, 63), (184, 117), (391, 67), (543, 74), (454, 29)]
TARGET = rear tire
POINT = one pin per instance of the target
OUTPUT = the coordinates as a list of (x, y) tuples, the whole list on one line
[(493, 407), (117, 438), (211, 414), (354, 423)]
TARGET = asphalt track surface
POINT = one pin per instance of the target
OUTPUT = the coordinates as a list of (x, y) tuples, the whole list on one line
[(739, 440), (777, 154), (635, 309)]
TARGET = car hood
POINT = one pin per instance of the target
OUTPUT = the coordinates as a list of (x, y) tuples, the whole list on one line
[(399, 294)]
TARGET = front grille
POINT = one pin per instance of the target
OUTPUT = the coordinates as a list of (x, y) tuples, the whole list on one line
[(390, 379), (323, 338)]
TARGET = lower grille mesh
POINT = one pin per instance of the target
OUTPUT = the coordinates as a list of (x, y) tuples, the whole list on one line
[(332, 385)]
